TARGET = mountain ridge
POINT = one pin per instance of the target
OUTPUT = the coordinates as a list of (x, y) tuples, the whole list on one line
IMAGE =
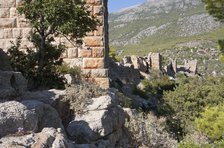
[(162, 22)]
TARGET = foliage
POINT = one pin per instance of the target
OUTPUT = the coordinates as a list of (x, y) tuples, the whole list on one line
[(189, 99), (113, 54), (221, 48), (79, 96), (158, 85), (147, 130), (75, 71), (215, 8), (212, 122), (27, 63), (49, 18)]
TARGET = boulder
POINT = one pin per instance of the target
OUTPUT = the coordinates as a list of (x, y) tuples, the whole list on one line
[(27, 115), (102, 118), (48, 137), (11, 84), (4, 62), (50, 97)]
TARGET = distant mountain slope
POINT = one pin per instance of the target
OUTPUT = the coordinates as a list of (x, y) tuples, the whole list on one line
[(158, 24)]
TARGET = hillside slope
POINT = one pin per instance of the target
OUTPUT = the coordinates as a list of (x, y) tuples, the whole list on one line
[(156, 25)]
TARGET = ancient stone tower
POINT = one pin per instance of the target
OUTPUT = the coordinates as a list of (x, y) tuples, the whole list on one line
[(91, 57)]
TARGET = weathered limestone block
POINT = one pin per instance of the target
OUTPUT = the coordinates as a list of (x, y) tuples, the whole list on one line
[(4, 12), (191, 66), (8, 33), (102, 82), (174, 65), (98, 10), (93, 41), (99, 73), (74, 62), (93, 63), (5, 44), (7, 3), (72, 53), (99, 31), (13, 12), (17, 32), (85, 53), (155, 61), (98, 52), (1, 33), (26, 32), (86, 73), (7, 22)]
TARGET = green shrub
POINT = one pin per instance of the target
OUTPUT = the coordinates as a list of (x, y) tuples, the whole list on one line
[(189, 99), (113, 54), (27, 64), (188, 145), (74, 71), (212, 122), (158, 85)]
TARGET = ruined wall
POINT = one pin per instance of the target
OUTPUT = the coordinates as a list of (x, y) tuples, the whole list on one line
[(91, 56)]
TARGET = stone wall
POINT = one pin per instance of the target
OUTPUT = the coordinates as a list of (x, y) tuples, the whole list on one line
[(92, 56)]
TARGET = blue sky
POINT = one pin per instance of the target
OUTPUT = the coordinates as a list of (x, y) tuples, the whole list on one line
[(115, 5)]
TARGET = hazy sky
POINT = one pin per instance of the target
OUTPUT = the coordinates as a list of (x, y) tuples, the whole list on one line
[(115, 5)]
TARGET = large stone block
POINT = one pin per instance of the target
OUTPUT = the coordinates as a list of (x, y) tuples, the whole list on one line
[(5, 44), (13, 12), (93, 41), (98, 10), (74, 62), (98, 52), (85, 53), (17, 32), (1, 33), (102, 82), (7, 3), (8, 33), (72, 53), (99, 31), (4, 12), (93, 63), (99, 73), (8, 23), (26, 32)]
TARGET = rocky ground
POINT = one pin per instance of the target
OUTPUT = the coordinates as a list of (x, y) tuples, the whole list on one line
[(82, 116)]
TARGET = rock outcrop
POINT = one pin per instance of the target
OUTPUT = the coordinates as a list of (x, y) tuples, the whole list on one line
[(12, 84), (48, 137), (103, 119), (31, 116)]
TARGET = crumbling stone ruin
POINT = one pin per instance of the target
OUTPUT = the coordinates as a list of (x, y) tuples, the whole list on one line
[(154, 62), (92, 56)]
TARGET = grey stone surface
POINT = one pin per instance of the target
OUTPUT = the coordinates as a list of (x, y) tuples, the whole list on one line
[(29, 115)]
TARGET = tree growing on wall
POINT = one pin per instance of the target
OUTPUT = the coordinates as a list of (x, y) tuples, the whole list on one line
[(216, 9), (49, 18)]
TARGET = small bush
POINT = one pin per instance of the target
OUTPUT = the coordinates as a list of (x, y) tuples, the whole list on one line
[(158, 85), (147, 130), (27, 63), (79, 96), (212, 122), (75, 71)]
